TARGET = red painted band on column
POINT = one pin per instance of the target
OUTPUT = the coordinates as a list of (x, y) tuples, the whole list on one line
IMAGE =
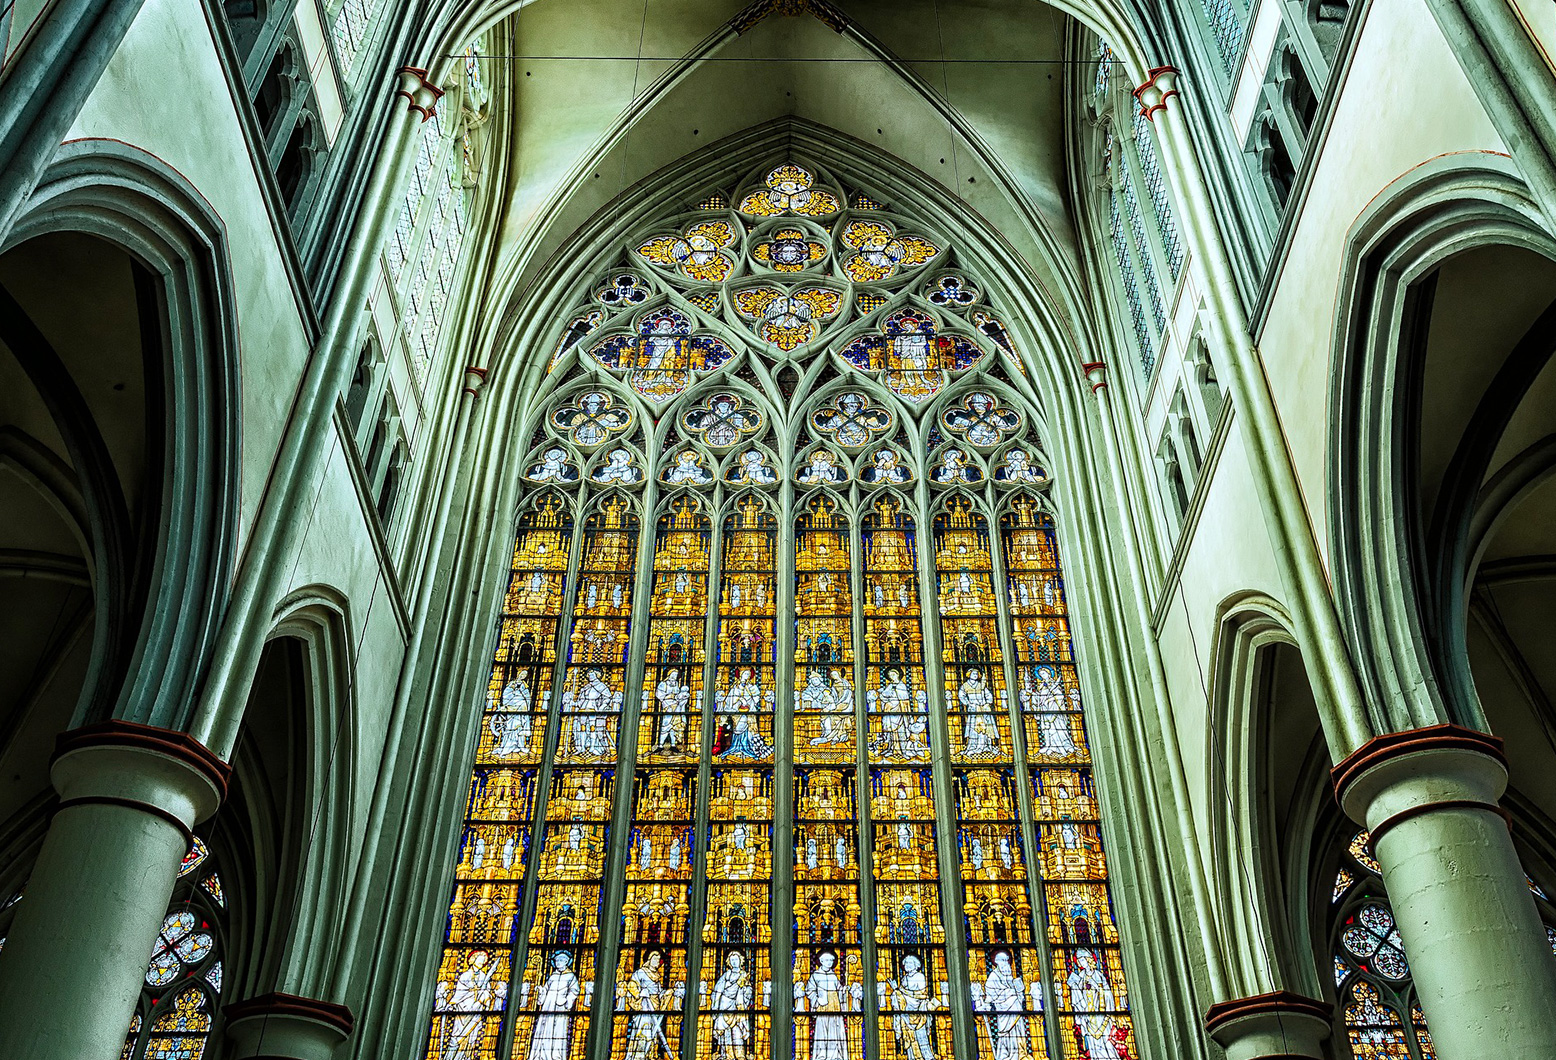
[(409, 95), (131, 804), (1278, 1003), (1432, 807), (176, 745), (1379, 749), (276, 1003), (1148, 111)]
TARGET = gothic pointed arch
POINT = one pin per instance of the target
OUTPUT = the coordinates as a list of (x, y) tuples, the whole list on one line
[(797, 743)]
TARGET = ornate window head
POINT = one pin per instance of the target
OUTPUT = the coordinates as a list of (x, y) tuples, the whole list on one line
[(790, 189), (733, 603), (697, 252)]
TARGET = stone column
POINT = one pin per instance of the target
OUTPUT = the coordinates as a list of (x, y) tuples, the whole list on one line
[(72, 968), (1477, 949), (280, 1026), (1277, 1026)]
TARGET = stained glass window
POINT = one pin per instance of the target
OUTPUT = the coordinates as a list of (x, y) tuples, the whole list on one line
[(832, 706), (182, 988), (1377, 1006), (1156, 191), (351, 26), (1226, 25), (1142, 231)]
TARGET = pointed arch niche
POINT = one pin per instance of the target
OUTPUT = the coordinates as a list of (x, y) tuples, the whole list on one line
[(783, 751)]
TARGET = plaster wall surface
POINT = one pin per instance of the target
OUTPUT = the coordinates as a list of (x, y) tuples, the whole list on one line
[(1361, 156), (1229, 555), (165, 80)]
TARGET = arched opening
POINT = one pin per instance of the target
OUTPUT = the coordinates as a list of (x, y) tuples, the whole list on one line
[(80, 449)]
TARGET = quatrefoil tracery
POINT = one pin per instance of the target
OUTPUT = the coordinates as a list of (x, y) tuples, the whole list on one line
[(698, 252), (591, 418), (851, 421), (722, 420), (787, 320), (879, 252), (981, 420)]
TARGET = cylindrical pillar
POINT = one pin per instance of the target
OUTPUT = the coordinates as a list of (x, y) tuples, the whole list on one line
[(278, 1026), (76, 956), (1478, 952), (1277, 1026)]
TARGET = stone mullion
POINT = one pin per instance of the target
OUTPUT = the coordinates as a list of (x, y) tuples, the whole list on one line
[(613, 884), (699, 896), (1023, 767), (781, 908), (963, 1039), (543, 773), (864, 828)]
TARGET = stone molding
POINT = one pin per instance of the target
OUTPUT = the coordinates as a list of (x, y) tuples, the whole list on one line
[(1269, 1026), (281, 1026), (420, 94), (475, 380), (1096, 374), (1400, 775), (162, 772)]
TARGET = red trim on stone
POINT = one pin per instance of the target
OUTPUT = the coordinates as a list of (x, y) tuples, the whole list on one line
[(1379, 749), (1096, 366), (276, 1003), (1279, 1003), (177, 745), (1155, 73)]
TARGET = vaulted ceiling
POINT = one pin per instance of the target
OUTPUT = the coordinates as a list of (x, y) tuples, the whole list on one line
[(970, 92)]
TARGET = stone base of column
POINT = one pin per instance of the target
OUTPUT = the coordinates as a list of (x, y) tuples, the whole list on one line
[(278, 1026), (1273, 1026)]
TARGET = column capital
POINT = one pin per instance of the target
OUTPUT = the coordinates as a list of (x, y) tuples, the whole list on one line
[(1161, 84), (165, 773), (1096, 374), (475, 380), (287, 1026), (1269, 1026), (420, 94), (1399, 775)]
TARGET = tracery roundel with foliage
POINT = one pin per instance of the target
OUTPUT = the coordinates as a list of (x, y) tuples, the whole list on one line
[(783, 722)]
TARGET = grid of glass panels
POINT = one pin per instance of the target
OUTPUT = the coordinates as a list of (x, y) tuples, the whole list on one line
[(1082, 933), (494, 847)]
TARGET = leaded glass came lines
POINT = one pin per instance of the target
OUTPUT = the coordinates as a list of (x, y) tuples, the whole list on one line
[(828, 973), (670, 727), (735, 987), (1156, 190), (1087, 972), (651, 970), (1126, 274), (824, 657), (748, 604), (1226, 25), (1149, 280), (684, 850), (893, 641)]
